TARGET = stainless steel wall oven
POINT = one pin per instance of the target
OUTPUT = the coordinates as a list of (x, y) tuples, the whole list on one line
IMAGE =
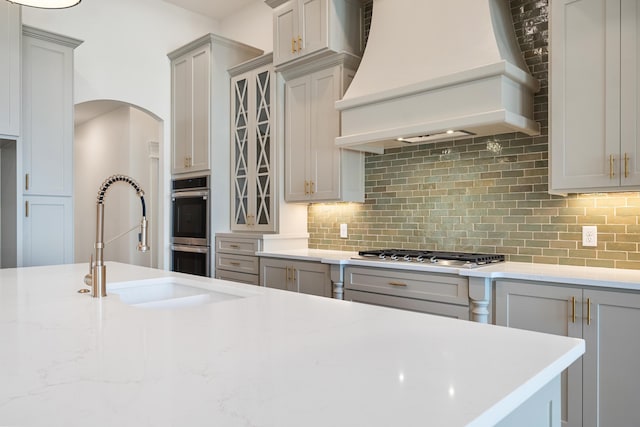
[(190, 242)]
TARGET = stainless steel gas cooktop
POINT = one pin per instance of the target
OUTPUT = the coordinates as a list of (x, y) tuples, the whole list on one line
[(450, 259)]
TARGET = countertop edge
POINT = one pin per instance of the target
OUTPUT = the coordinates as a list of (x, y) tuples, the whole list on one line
[(548, 273)]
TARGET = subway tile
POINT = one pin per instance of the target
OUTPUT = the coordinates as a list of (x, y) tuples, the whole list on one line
[(457, 194)]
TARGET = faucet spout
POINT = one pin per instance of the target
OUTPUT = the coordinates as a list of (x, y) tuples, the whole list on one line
[(98, 277)]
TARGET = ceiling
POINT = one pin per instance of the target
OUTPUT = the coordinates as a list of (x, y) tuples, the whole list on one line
[(217, 9)]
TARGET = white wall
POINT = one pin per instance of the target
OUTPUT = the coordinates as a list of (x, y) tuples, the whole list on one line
[(100, 150), (114, 142), (252, 25)]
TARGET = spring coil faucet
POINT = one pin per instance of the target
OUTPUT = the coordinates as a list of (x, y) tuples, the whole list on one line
[(97, 277)]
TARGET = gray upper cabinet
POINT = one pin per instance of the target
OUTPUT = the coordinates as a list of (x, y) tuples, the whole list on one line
[(191, 110), (47, 113), (315, 169), (595, 96), (200, 102), (304, 28), (9, 70), (253, 178)]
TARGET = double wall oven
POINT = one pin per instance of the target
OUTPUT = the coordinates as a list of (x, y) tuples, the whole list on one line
[(190, 243)]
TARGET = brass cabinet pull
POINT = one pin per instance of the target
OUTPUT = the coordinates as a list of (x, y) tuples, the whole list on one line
[(626, 165), (293, 45), (299, 43), (26, 182), (313, 187), (397, 284), (234, 246), (288, 277), (306, 187), (235, 263), (588, 311), (26, 208), (611, 172), (573, 309)]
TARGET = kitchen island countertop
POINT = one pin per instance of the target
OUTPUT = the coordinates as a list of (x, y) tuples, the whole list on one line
[(272, 358)]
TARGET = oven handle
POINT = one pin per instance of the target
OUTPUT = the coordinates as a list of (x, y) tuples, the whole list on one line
[(182, 194), (191, 249)]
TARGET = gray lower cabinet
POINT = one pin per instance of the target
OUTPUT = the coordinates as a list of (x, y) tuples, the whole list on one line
[(306, 277), (433, 293), (600, 389), (236, 258)]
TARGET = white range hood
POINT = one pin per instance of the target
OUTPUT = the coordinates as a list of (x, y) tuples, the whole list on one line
[(437, 66)]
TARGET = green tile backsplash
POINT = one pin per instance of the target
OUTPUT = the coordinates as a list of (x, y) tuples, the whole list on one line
[(484, 194)]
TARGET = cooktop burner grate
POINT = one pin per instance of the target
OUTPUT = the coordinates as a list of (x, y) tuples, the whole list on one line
[(432, 256)]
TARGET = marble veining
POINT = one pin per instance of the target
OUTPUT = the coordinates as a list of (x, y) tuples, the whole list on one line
[(274, 358)]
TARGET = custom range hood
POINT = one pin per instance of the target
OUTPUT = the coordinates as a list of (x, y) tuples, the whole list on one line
[(437, 69)]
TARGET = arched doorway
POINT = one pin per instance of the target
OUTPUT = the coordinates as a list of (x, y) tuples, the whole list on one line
[(115, 137)]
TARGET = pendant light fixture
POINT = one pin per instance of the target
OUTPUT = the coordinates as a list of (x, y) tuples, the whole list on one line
[(47, 4)]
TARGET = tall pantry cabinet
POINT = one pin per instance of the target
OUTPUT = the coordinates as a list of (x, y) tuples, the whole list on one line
[(47, 147)]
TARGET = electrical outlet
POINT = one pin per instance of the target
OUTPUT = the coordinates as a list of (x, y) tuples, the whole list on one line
[(589, 236), (343, 231)]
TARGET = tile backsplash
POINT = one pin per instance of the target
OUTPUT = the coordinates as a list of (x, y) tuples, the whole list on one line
[(485, 194)]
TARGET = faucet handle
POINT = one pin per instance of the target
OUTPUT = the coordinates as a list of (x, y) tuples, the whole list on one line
[(88, 278)]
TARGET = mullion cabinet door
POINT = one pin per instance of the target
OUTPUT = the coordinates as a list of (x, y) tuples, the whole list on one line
[(253, 151)]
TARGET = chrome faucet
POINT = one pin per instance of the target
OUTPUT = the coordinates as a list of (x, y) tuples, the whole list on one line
[(97, 278)]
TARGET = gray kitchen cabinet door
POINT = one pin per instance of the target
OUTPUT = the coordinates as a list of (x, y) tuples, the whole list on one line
[(253, 178), (312, 278), (315, 169), (611, 374), (276, 273), (297, 276), (549, 309), (305, 28), (47, 231), (285, 32), (47, 116), (594, 48), (9, 69), (191, 110)]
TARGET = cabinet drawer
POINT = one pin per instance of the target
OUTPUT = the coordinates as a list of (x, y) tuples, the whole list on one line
[(234, 276), (238, 246), (437, 308), (438, 287), (238, 263)]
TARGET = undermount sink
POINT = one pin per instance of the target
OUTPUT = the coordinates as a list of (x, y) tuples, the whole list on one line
[(172, 292)]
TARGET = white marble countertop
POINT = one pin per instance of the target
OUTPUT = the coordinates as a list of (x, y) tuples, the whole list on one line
[(274, 358), (563, 274), (550, 273), (317, 255)]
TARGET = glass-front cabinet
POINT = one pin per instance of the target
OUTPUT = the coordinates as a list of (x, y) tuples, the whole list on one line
[(253, 147)]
